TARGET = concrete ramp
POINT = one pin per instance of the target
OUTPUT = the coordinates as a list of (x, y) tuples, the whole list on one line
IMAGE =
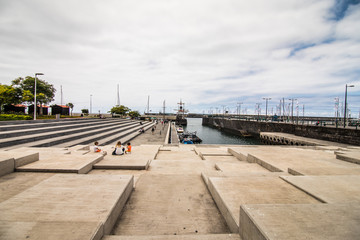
[(300, 221), (65, 206), (231, 192), (329, 189)]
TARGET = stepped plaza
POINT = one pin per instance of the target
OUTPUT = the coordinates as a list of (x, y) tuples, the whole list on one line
[(54, 186)]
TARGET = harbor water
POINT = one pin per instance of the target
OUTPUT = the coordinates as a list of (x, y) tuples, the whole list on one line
[(214, 136)]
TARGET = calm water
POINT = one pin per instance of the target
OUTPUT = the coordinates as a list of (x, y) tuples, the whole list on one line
[(214, 136)]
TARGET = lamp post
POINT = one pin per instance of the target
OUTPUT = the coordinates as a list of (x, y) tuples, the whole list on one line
[(346, 87), (90, 102), (35, 105), (266, 99)]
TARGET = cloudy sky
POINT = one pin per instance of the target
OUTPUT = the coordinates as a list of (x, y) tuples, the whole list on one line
[(212, 54)]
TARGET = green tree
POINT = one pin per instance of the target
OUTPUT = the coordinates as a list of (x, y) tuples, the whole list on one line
[(85, 111), (9, 95), (122, 110), (134, 114), (45, 92), (71, 106)]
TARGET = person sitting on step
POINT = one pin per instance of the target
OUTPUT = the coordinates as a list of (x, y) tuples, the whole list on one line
[(119, 149)]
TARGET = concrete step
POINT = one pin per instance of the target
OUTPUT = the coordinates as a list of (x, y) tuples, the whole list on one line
[(176, 237), (124, 139), (103, 137), (89, 136), (16, 125), (57, 127), (43, 138)]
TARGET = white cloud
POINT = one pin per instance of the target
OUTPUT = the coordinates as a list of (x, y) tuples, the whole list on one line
[(208, 53)]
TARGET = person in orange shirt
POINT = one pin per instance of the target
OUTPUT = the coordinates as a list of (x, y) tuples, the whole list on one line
[(128, 147)]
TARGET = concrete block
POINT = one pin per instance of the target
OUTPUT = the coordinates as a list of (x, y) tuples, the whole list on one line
[(231, 192), (70, 202), (7, 165), (300, 221), (329, 189)]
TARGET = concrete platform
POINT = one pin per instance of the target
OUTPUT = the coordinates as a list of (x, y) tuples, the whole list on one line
[(282, 158), (240, 167), (63, 204), (139, 159), (17, 182), (324, 171), (221, 151), (352, 156), (300, 222), (62, 163), (229, 193), (176, 237), (174, 166), (211, 174), (168, 205), (21, 158), (136, 173), (328, 189)]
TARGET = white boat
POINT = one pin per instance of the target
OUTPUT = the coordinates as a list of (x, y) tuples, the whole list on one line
[(179, 129)]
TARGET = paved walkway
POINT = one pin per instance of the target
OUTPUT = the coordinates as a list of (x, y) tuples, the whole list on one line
[(149, 137)]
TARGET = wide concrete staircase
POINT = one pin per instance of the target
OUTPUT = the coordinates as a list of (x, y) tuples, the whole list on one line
[(67, 133)]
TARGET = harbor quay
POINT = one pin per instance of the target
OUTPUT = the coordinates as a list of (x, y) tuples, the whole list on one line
[(57, 187)]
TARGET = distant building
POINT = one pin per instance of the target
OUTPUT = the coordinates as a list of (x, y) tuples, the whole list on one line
[(19, 108), (60, 109), (45, 109)]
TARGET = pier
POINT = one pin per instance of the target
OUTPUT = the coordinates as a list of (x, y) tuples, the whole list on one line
[(164, 190)]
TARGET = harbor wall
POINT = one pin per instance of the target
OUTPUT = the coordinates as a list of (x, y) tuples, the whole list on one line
[(242, 127)]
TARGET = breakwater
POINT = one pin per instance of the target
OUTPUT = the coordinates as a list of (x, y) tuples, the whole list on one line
[(242, 127)]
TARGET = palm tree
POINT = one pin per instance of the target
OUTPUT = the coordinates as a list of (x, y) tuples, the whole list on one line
[(71, 106)]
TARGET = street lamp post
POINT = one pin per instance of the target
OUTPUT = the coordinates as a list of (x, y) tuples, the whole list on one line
[(266, 99), (90, 102), (35, 105), (346, 87)]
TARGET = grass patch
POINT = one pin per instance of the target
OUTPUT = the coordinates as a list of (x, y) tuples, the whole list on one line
[(10, 117)]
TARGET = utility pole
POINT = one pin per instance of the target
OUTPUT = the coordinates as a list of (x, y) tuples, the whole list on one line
[(148, 104), (345, 108)]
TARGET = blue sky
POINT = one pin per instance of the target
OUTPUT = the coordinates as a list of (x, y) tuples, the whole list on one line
[(211, 54)]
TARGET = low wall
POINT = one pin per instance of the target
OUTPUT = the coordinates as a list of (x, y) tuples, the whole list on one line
[(238, 127)]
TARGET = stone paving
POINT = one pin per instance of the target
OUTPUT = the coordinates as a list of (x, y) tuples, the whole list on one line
[(185, 192)]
